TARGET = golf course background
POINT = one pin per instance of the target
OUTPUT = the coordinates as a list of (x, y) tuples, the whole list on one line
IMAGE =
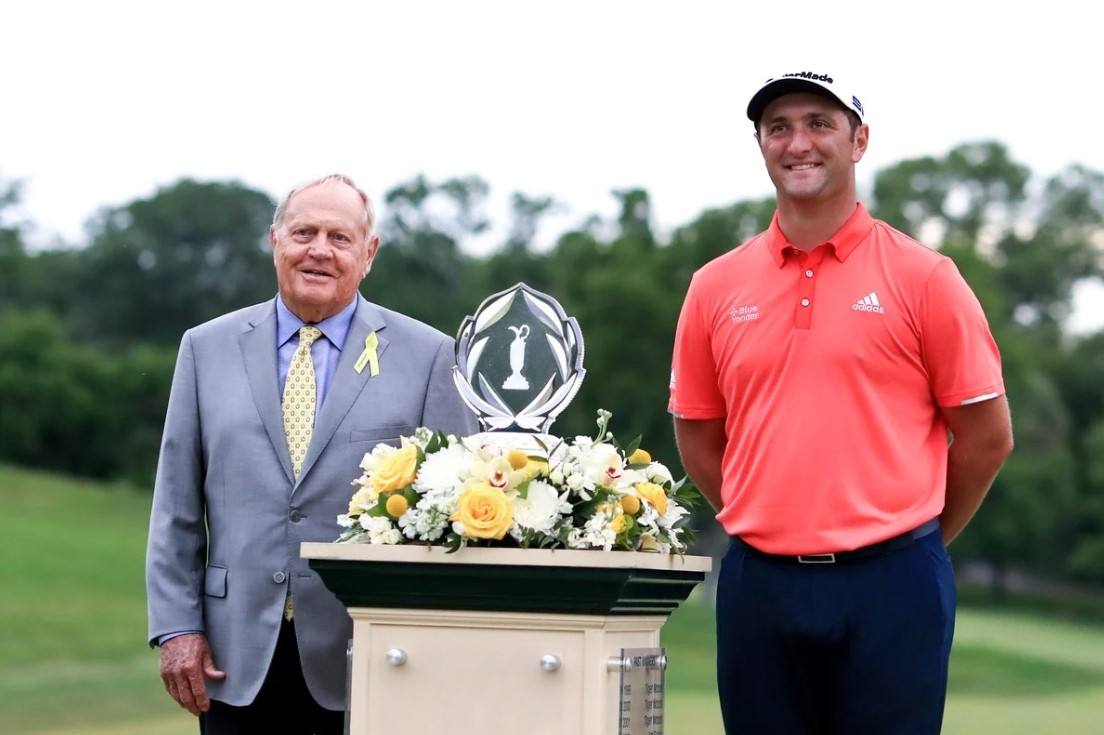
[(73, 658)]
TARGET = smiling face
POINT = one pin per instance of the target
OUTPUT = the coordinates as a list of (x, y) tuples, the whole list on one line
[(322, 250), (809, 148)]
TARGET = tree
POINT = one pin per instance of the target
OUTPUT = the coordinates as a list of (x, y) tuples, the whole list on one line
[(1040, 269), (13, 257), (517, 261), (420, 269), (157, 266), (974, 194)]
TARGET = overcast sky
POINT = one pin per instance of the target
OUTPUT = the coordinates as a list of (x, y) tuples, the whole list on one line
[(105, 101)]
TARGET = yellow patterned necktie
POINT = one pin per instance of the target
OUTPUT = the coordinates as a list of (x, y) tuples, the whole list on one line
[(300, 393), (300, 398)]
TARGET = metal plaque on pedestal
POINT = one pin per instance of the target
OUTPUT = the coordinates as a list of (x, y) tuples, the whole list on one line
[(641, 690)]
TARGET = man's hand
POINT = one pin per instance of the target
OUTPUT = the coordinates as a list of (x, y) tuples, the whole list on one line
[(185, 662)]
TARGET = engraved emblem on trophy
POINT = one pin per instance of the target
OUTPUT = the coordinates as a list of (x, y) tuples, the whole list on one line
[(517, 381), (518, 331)]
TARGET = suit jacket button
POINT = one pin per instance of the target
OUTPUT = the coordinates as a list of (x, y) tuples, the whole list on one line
[(279, 577), (295, 515)]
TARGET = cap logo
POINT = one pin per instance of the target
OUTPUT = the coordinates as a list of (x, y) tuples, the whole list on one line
[(811, 75), (858, 105)]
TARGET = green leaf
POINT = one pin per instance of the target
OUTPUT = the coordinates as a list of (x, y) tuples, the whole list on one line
[(454, 542)]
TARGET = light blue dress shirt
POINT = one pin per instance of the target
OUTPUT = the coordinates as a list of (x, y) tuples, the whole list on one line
[(325, 353)]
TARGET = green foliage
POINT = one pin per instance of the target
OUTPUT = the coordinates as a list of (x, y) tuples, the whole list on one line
[(69, 407), (158, 266), (975, 186), (420, 270)]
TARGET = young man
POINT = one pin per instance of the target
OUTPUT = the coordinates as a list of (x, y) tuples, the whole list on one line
[(269, 416), (818, 370)]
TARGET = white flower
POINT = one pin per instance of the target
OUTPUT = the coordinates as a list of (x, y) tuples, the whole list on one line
[(576, 539), (601, 464), (575, 474), (423, 524), (422, 436), (371, 459), (658, 473), (628, 480), (598, 532), (380, 530), (540, 509), (674, 514), (444, 470)]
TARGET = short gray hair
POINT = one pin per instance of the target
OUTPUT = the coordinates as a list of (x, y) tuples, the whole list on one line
[(369, 210)]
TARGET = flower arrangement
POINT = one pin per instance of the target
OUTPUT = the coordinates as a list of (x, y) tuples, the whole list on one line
[(443, 490)]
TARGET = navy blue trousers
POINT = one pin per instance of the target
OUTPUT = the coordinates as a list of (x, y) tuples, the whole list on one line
[(854, 648)]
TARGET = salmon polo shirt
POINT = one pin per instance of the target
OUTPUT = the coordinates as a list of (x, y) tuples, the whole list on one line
[(829, 368)]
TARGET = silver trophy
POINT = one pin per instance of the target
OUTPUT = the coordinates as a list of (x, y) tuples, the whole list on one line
[(519, 363)]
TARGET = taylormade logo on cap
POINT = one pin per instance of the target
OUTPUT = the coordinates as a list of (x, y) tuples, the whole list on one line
[(810, 75), (801, 81)]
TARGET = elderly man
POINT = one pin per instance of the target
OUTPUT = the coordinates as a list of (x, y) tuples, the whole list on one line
[(271, 409)]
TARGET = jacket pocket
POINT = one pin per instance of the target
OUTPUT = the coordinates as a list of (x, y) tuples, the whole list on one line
[(384, 434), (214, 582)]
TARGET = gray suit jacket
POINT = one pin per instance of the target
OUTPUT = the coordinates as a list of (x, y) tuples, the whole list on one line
[(227, 517)]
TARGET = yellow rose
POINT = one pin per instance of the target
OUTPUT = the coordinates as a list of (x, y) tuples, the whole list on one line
[(618, 523), (484, 511), (630, 504), (362, 498), (396, 505), (654, 495), (396, 470), (639, 457)]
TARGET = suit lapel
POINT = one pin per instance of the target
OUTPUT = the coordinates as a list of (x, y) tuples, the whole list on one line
[(258, 346), (347, 383)]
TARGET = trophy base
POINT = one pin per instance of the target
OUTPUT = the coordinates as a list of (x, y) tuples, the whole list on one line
[(515, 382)]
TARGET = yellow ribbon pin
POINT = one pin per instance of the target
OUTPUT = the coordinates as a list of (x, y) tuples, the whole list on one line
[(369, 356)]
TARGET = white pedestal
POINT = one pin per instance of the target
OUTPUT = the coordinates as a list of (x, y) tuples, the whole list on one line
[(424, 668)]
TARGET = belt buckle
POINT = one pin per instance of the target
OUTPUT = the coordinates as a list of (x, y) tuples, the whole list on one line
[(816, 559)]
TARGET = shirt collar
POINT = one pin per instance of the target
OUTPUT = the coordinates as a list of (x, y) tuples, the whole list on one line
[(843, 243), (335, 328)]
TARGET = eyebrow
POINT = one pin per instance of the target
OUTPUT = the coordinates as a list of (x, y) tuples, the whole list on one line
[(822, 112)]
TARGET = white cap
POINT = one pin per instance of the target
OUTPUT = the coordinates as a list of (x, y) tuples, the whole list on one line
[(802, 81)]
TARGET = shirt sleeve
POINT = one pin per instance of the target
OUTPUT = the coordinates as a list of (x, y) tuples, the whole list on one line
[(695, 391), (962, 358)]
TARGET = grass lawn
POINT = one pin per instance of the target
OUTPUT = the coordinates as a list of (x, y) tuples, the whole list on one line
[(73, 659)]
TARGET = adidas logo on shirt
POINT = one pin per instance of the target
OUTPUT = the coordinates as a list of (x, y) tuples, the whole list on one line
[(869, 303)]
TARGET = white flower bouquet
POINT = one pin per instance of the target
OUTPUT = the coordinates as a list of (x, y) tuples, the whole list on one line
[(587, 494)]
